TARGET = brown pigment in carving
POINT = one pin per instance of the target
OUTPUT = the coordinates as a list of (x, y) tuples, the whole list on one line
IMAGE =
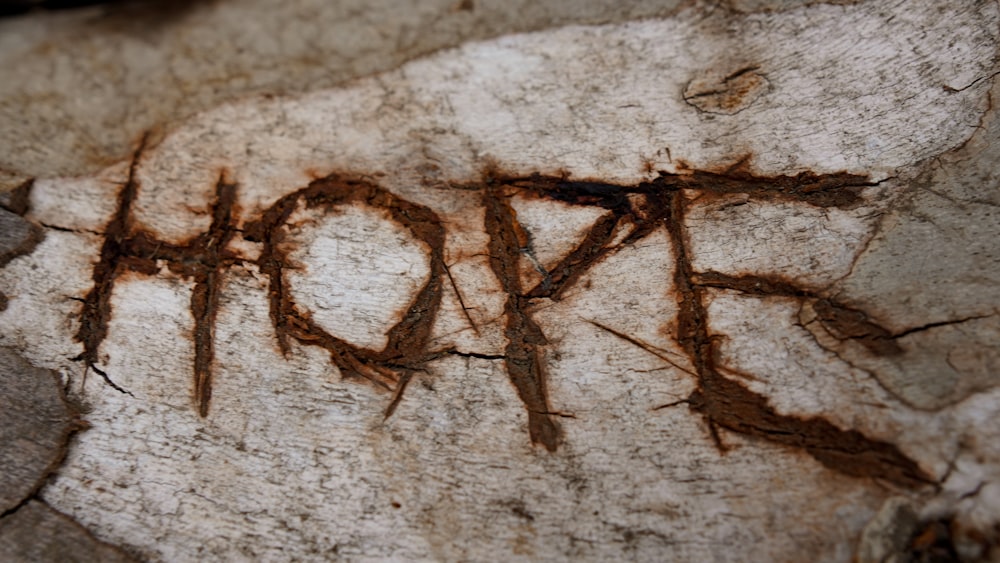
[(507, 243), (723, 402), (96, 309), (205, 296), (202, 258), (524, 337), (841, 321), (828, 190), (406, 350), (595, 246), (727, 404), (752, 284)]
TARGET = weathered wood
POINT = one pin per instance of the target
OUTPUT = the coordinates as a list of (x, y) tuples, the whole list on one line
[(703, 287)]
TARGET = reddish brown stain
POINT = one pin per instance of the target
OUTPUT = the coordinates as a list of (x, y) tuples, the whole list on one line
[(846, 323), (637, 210), (127, 248), (406, 350), (841, 321), (525, 339), (728, 404)]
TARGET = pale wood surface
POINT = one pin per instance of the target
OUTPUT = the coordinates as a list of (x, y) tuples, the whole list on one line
[(775, 334)]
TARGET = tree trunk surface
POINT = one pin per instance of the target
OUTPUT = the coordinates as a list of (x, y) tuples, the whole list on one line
[(482, 281)]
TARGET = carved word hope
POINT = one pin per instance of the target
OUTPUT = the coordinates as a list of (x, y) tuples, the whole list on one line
[(630, 213)]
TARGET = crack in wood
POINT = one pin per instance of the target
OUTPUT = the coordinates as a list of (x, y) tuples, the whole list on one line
[(635, 211)]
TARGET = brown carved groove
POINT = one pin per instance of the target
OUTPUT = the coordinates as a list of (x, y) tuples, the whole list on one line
[(96, 310), (636, 210), (524, 338), (406, 350), (723, 402), (842, 321), (203, 259), (726, 403)]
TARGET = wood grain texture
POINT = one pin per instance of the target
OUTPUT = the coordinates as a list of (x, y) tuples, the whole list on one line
[(716, 286)]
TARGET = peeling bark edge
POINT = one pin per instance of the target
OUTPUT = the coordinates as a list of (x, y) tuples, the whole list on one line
[(48, 529), (74, 423)]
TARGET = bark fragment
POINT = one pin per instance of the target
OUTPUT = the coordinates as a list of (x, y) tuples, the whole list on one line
[(38, 533), (17, 236), (35, 425)]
